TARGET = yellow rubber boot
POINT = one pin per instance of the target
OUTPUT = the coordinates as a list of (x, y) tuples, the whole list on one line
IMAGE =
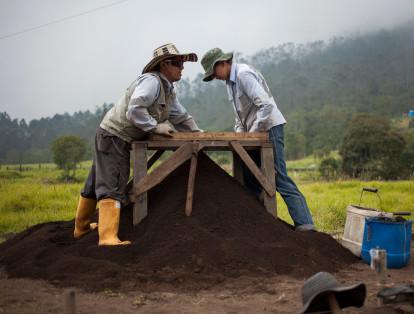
[(109, 212), (84, 212)]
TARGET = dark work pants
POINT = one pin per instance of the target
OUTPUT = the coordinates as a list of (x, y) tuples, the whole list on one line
[(109, 173)]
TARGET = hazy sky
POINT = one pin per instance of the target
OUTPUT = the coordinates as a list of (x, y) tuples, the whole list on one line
[(83, 62)]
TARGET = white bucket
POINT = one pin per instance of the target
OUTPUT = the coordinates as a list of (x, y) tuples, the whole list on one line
[(355, 224)]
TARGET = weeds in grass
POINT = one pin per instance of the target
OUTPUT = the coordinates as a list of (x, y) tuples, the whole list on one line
[(36, 196), (328, 200)]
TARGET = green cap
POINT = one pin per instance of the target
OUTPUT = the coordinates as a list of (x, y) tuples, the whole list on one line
[(210, 58)]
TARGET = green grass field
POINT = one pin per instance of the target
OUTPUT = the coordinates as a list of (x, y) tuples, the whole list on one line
[(36, 195), (328, 200)]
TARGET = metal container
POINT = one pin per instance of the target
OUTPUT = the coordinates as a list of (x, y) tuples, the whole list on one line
[(355, 226)]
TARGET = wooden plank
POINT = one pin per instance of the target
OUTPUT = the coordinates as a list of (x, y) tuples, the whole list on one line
[(207, 144), (268, 169), (154, 158), (238, 168), (191, 180), (162, 171), (213, 136), (190, 187), (140, 171), (151, 161), (264, 182)]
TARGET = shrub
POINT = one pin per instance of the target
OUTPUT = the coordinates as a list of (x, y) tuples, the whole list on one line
[(68, 151), (329, 168), (372, 149)]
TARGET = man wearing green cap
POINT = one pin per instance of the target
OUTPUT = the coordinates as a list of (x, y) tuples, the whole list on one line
[(255, 110)]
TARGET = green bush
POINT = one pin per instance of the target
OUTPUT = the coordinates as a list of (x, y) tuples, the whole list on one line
[(68, 152), (372, 149)]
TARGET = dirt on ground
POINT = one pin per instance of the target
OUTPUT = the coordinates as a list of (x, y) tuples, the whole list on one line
[(229, 256), (273, 294)]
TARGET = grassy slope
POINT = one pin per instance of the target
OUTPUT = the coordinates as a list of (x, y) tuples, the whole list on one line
[(328, 200), (35, 196)]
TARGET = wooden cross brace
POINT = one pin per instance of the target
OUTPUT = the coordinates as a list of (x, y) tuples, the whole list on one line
[(181, 155), (264, 182), (188, 148)]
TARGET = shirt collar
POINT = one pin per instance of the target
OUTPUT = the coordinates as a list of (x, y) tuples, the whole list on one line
[(233, 72), (164, 78)]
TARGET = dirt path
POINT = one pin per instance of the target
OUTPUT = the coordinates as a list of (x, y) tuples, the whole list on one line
[(277, 294)]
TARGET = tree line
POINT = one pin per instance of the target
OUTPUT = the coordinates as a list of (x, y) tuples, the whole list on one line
[(320, 87), (22, 142)]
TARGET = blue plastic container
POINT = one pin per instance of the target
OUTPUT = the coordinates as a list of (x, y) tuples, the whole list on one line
[(395, 237), (411, 113)]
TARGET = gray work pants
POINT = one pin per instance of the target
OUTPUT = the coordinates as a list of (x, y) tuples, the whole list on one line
[(109, 173)]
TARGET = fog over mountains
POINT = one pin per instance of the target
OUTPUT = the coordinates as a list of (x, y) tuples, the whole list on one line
[(318, 87)]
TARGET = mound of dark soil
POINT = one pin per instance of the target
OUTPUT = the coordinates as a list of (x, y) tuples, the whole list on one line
[(229, 234)]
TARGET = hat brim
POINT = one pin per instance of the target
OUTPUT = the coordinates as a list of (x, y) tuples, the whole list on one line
[(345, 296), (187, 57), (208, 76)]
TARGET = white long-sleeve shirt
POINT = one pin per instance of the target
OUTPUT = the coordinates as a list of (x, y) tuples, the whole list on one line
[(254, 106), (145, 94)]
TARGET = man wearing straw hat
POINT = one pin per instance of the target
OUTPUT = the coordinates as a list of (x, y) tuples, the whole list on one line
[(146, 106), (256, 111)]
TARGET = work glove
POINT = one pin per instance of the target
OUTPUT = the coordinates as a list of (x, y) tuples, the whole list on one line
[(163, 129)]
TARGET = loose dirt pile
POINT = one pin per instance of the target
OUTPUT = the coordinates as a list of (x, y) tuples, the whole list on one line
[(229, 234)]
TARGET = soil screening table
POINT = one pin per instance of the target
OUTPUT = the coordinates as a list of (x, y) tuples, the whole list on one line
[(187, 146)]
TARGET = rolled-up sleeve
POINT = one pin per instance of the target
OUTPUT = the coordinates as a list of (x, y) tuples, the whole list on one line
[(144, 95), (255, 91)]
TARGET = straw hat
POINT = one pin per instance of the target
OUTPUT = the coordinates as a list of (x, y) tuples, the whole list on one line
[(165, 52), (317, 287)]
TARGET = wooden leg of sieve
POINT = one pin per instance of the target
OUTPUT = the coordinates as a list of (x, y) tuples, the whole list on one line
[(268, 169), (140, 171), (191, 178), (190, 188), (238, 168)]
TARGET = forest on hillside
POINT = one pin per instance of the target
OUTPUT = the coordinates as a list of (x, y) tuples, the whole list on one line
[(318, 86)]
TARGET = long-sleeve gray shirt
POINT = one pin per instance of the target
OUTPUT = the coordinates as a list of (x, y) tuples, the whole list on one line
[(254, 106), (145, 94)]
